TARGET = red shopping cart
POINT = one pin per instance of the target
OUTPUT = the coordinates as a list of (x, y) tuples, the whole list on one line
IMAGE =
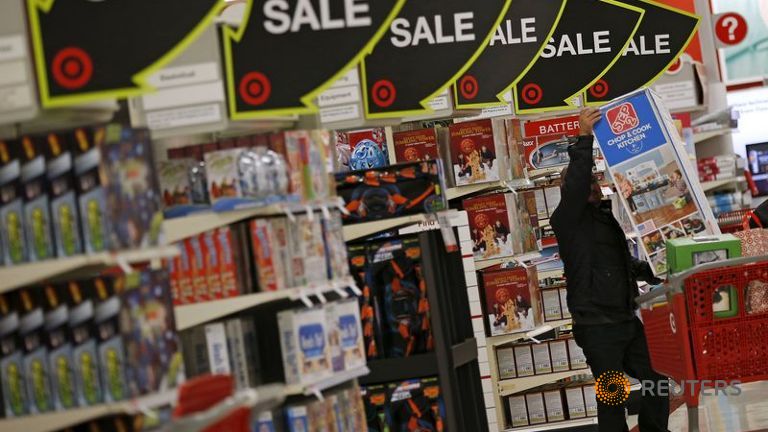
[(733, 221), (693, 342)]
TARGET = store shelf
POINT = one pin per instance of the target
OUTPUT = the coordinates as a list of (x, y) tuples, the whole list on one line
[(400, 369), (550, 273), (464, 352), (179, 228), (200, 313), (703, 136), (18, 276), (516, 385), (338, 378), (557, 426), (479, 265), (63, 419), (462, 191), (514, 337), (712, 185), (365, 229)]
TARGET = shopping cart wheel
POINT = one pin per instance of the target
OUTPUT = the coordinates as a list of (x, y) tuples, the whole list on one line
[(693, 419)]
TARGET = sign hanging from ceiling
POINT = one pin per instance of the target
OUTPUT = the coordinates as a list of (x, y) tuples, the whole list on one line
[(663, 35), (516, 43), (590, 37), (427, 47), (92, 50), (287, 53)]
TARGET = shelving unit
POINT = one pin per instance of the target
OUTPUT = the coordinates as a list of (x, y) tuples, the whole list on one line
[(516, 385), (462, 191), (199, 313), (365, 229), (480, 265), (589, 421), (514, 337), (22, 275), (703, 136), (338, 378), (716, 184), (63, 419)]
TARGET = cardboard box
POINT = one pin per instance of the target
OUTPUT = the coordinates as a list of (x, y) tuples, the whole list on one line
[(499, 226), (15, 401), (345, 316), (304, 343), (13, 247), (36, 370), (218, 352), (281, 247), (83, 334), (505, 358), (59, 346), (541, 360), (550, 299), (564, 302), (111, 347), (590, 399), (576, 355), (211, 265), (575, 402), (510, 300), (64, 210), (524, 360), (416, 145), (537, 414), (684, 253), (553, 401), (197, 269), (518, 411), (91, 192), (241, 342), (559, 352), (478, 151), (266, 261), (297, 418)]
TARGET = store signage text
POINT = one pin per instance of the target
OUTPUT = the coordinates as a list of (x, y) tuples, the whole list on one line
[(659, 44), (431, 31), (506, 33), (280, 20), (599, 43)]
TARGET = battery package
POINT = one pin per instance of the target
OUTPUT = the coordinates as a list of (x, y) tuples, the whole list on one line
[(304, 343), (524, 360)]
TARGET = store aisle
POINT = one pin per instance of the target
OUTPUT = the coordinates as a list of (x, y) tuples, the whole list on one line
[(747, 412)]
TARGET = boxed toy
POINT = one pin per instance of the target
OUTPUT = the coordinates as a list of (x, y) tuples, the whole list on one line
[(195, 351), (311, 146), (266, 261), (541, 361), (518, 412), (64, 210), (13, 245), (575, 401), (241, 342), (537, 414), (14, 386), (230, 273), (35, 364), (334, 339), (211, 264), (309, 233), (361, 149), (297, 418), (60, 360), (550, 300), (304, 343), (524, 360), (182, 182), (346, 317), (91, 193), (684, 253), (505, 358), (218, 354), (369, 304), (185, 274), (544, 143), (282, 237), (394, 191), (478, 151), (553, 401), (510, 300), (377, 412), (590, 399), (286, 145), (559, 352), (499, 226), (197, 269), (37, 214), (415, 404), (335, 247), (431, 391), (576, 355), (222, 175), (82, 333), (111, 348), (416, 145)]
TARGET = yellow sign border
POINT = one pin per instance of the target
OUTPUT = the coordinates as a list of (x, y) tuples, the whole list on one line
[(140, 79), (231, 35), (567, 101), (677, 56), (450, 81), (500, 95)]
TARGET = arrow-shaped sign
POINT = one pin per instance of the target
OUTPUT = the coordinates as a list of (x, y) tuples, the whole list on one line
[(290, 51), (662, 37), (427, 47), (517, 42), (91, 50), (590, 37)]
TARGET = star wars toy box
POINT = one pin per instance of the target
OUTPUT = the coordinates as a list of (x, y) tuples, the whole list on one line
[(65, 215), (37, 214), (377, 413), (416, 405), (83, 336), (13, 246), (394, 191), (60, 360), (369, 305), (361, 149), (510, 300), (110, 346), (500, 226), (416, 145), (478, 152), (12, 383), (304, 345), (36, 371)]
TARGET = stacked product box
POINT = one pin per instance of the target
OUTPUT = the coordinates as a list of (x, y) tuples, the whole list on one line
[(341, 410), (500, 226), (547, 357), (552, 403), (510, 301), (717, 167), (415, 404), (478, 152)]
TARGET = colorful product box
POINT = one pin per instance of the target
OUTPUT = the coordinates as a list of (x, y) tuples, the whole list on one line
[(197, 269), (537, 413), (83, 334), (524, 360), (362, 149), (222, 175), (518, 411), (297, 418), (36, 371), (564, 303), (541, 361), (64, 210), (60, 360), (37, 210), (228, 271), (304, 343), (479, 151), (505, 357), (266, 261), (218, 353), (335, 247), (212, 265), (684, 253), (241, 341), (287, 145), (575, 401), (91, 194), (499, 227), (511, 304), (416, 145), (14, 387), (310, 235), (13, 245), (111, 348), (282, 248), (185, 275)]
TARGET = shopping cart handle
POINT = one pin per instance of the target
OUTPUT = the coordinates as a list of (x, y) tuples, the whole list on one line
[(655, 292)]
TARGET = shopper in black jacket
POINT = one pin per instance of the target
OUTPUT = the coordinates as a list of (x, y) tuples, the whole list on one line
[(602, 285)]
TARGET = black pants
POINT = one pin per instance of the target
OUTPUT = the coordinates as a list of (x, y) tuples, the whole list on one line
[(622, 348)]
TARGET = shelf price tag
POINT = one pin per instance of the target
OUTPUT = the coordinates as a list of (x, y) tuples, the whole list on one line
[(86, 50)]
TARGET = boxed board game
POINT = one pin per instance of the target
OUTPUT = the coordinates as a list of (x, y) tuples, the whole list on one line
[(500, 226), (416, 145), (36, 371), (304, 345), (13, 246), (505, 358), (478, 151), (510, 301), (394, 191), (37, 210), (575, 401), (65, 215)]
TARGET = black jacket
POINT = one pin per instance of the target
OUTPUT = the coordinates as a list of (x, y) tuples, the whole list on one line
[(600, 272)]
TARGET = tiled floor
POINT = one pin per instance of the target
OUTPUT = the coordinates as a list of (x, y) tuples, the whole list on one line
[(747, 412)]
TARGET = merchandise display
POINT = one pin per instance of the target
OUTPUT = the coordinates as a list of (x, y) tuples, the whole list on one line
[(552, 403), (511, 304), (478, 152), (500, 226), (413, 405), (416, 145)]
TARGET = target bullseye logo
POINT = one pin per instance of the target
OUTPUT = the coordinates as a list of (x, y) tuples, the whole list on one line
[(468, 87), (600, 89), (383, 93), (255, 88), (532, 94), (676, 67), (72, 68), (612, 388)]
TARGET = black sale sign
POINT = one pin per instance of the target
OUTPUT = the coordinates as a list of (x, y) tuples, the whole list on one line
[(662, 37), (516, 43), (589, 38), (289, 51), (427, 47), (91, 50)]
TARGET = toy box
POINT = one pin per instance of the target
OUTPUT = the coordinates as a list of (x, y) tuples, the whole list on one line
[(537, 414), (518, 412), (505, 358), (361, 149), (14, 387), (282, 236), (544, 143), (415, 404), (499, 227), (180, 182), (311, 149), (91, 193), (416, 145), (334, 339), (35, 370), (510, 300), (309, 233), (432, 392), (82, 333), (229, 272), (377, 411), (478, 151), (266, 262), (218, 353), (398, 190), (304, 343), (197, 269), (335, 247), (553, 403), (60, 360), (212, 264), (369, 304), (684, 253), (64, 210), (37, 214), (111, 349), (575, 401), (550, 300), (267, 421), (286, 145), (242, 343), (346, 318), (13, 245), (576, 355), (222, 175)]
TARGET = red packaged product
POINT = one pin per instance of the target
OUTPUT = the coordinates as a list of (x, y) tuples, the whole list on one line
[(211, 264), (227, 266), (416, 145), (184, 274), (197, 265), (267, 266)]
